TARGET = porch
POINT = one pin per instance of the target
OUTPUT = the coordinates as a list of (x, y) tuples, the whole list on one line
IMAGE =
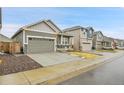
[(64, 42), (107, 45)]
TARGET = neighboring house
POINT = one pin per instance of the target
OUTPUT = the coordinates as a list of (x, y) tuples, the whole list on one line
[(42, 36), (108, 41), (98, 40), (4, 38), (119, 43), (0, 18), (82, 37), (4, 43)]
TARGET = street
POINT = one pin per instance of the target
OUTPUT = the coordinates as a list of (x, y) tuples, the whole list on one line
[(108, 74)]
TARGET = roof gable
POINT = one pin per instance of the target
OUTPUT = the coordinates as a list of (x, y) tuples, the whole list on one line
[(98, 32), (45, 25), (48, 26), (72, 28)]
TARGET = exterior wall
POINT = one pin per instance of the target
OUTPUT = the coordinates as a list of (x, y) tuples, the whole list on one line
[(41, 27), (98, 41), (99, 45), (85, 42), (76, 38), (19, 38), (53, 26), (94, 42)]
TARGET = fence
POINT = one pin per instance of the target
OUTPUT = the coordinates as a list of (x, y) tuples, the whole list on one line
[(10, 47)]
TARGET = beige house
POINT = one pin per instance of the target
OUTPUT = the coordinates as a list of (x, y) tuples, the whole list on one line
[(107, 43), (82, 37), (98, 40), (42, 36), (119, 43)]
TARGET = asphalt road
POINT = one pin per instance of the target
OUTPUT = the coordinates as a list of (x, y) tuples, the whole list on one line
[(108, 74)]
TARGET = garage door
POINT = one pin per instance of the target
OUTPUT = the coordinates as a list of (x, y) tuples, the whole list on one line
[(40, 45), (86, 47)]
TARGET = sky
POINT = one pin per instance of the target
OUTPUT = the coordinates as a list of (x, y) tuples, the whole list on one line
[(108, 20)]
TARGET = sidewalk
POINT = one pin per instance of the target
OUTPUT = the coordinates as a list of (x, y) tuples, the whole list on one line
[(56, 73)]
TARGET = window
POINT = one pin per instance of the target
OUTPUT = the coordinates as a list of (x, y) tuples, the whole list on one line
[(30, 38), (85, 34), (99, 36)]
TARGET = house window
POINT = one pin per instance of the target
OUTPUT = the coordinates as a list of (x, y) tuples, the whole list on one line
[(30, 38), (65, 40), (85, 34), (90, 34)]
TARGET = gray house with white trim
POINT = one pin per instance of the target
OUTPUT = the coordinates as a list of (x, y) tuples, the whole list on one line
[(42, 36)]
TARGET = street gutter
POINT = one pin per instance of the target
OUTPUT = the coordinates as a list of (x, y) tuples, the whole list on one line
[(79, 71)]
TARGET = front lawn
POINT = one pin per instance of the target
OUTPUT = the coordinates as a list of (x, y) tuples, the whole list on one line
[(109, 50), (84, 55)]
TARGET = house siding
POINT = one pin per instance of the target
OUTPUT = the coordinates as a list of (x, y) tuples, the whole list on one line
[(41, 27), (19, 38), (76, 38), (85, 42), (98, 41)]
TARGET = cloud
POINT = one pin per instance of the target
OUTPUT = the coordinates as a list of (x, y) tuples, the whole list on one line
[(9, 29)]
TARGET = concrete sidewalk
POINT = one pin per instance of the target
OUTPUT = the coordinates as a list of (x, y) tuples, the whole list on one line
[(56, 73)]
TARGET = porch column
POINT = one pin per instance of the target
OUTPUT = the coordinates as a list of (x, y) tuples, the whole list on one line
[(61, 39), (70, 42)]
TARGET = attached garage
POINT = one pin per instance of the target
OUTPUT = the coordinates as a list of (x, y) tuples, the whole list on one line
[(40, 45), (39, 37), (86, 46)]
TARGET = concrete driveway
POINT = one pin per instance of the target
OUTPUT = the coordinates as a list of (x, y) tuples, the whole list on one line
[(47, 59)]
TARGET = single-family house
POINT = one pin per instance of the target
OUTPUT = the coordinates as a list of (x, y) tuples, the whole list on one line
[(119, 43), (108, 42), (4, 38), (4, 43), (98, 40), (42, 36), (82, 37)]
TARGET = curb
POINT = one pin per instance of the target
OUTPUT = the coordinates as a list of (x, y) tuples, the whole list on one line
[(78, 71)]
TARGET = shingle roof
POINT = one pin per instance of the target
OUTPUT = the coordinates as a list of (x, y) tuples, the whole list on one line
[(108, 38), (73, 28)]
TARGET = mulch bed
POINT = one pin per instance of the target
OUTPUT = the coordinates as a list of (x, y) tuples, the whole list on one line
[(12, 64)]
